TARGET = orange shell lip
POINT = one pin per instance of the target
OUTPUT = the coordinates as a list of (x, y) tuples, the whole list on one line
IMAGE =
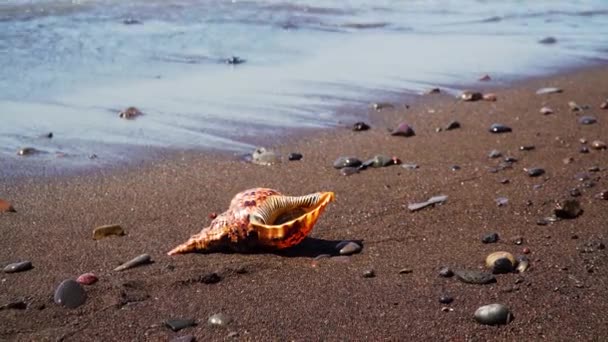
[(284, 221)]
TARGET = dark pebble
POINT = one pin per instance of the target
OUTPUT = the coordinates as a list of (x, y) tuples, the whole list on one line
[(446, 272), (70, 294), (131, 21), (490, 238), (587, 120), (526, 147), (369, 273), (500, 128), (474, 277), (510, 160), (343, 162), (403, 130), (18, 267), (534, 171), (493, 314), (360, 126), (594, 169), (455, 168), (48, 135), (575, 192), (16, 305), (185, 338), (210, 278), (445, 299), (452, 125), (583, 149), (548, 40), (504, 181), (179, 324), (294, 156), (602, 195), (567, 209), (234, 60), (471, 96)]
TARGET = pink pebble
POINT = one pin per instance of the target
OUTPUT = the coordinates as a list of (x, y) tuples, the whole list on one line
[(87, 279)]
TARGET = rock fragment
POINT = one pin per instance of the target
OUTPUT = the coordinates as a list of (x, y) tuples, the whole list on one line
[(180, 323), (70, 294)]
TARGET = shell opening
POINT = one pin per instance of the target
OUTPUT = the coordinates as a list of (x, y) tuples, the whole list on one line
[(281, 209)]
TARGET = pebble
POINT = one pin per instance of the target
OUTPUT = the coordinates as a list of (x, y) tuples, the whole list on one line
[(26, 151), (548, 90), (602, 195), (380, 161), (604, 105), (526, 147), (48, 135), (534, 171), (574, 106), (70, 294), (522, 264), (262, 156), (501, 201), (445, 299), (546, 111), (219, 320), (6, 207), (360, 126), (130, 113), (598, 145), (587, 120), (406, 271), (348, 247), (500, 128), (294, 156), (369, 273), (18, 267), (504, 181), (485, 78), (567, 160), (434, 91), (518, 240), (455, 167), (548, 40), (137, 261), (403, 130), (471, 96), (474, 277), (347, 171), (452, 125), (16, 305), (381, 105), (526, 250), (179, 324), (490, 238), (490, 97), (494, 154), (493, 314), (131, 21), (87, 279), (234, 60), (501, 262), (343, 162), (446, 272), (583, 149), (567, 209), (409, 166), (107, 230)]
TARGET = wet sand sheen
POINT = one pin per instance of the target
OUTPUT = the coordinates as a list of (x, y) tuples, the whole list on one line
[(282, 296)]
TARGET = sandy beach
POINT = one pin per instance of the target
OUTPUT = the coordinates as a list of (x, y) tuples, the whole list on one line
[(290, 295)]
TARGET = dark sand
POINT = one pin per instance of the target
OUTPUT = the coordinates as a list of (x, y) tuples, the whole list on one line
[(282, 296)]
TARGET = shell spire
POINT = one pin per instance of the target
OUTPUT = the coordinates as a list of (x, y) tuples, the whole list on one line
[(260, 218)]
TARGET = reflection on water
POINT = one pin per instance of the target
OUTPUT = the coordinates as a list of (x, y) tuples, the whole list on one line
[(70, 66)]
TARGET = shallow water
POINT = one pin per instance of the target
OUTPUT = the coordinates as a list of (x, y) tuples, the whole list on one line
[(68, 67)]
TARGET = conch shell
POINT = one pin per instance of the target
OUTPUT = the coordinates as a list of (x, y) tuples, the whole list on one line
[(259, 218)]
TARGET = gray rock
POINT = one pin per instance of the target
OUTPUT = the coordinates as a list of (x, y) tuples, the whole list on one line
[(490, 238), (445, 299), (137, 261), (500, 128), (343, 162), (587, 120), (403, 130), (493, 314), (262, 156), (18, 267), (534, 171), (219, 319), (494, 154), (446, 272), (179, 324), (70, 294), (348, 247), (474, 277)]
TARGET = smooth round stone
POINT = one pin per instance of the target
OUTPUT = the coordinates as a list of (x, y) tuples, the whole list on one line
[(446, 272), (598, 145), (493, 314), (70, 294), (87, 279), (18, 267), (474, 277), (343, 162), (535, 171), (294, 156), (587, 120), (403, 130), (219, 320), (490, 238), (500, 128), (348, 247), (360, 126), (445, 299)]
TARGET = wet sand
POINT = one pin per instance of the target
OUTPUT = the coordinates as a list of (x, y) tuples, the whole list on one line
[(289, 296)]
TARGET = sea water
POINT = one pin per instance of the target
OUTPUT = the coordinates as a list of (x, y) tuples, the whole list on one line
[(69, 67)]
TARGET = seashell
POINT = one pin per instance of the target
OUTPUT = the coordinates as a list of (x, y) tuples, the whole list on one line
[(501, 262), (260, 218)]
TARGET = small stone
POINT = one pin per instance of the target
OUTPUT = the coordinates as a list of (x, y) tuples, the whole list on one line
[(131, 21), (504, 181), (107, 230), (490, 238), (27, 151), (548, 90), (534, 171), (347, 171), (499, 128), (16, 305), (130, 113), (567, 160), (445, 299), (474, 277), (18, 267), (501, 201), (70, 294), (446, 272), (526, 147), (583, 149), (212, 215), (87, 279), (526, 250), (493, 314), (510, 160), (546, 111), (406, 271), (360, 126), (494, 154), (471, 96), (522, 264), (219, 320), (602, 195), (179, 324), (185, 338), (455, 167), (137, 261), (587, 120), (575, 192), (348, 247), (380, 161), (409, 166), (548, 40), (262, 156), (378, 106), (294, 156), (403, 130), (6, 207), (369, 273), (490, 97), (452, 125), (567, 209), (598, 145), (48, 135), (485, 78), (233, 334), (209, 278), (574, 106), (604, 105), (434, 91), (234, 60), (343, 162)]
